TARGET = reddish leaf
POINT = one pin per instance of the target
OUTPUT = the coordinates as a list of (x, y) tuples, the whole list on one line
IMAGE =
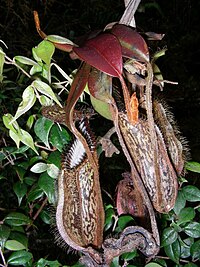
[(77, 88), (133, 45), (102, 52)]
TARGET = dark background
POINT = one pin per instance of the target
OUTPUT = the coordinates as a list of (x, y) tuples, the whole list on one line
[(179, 20)]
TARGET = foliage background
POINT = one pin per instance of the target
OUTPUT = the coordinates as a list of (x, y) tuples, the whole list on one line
[(179, 20)]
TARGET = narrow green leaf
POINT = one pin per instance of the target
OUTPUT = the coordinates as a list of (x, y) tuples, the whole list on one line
[(192, 229), (2, 61), (19, 258), (195, 250), (27, 139), (186, 215), (4, 234), (46, 183), (59, 39), (193, 166), (45, 89), (15, 137), (173, 251), (191, 193), (39, 167), (28, 100), (30, 121), (169, 236), (63, 73), (25, 60), (42, 129), (14, 245), (17, 219), (45, 51), (20, 190)]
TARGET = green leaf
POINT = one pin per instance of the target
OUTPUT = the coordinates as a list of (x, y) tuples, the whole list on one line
[(46, 217), (59, 137), (17, 219), (14, 245), (153, 264), (59, 39), (123, 221), (18, 134), (44, 100), (4, 234), (115, 262), (195, 250), (15, 137), (45, 51), (193, 166), (191, 193), (44, 263), (169, 236), (19, 258), (46, 183), (190, 264), (7, 119), (109, 218), (186, 215), (20, 237), (52, 170), (45, 89), (161, 262), (101, 107), (27, 139), (129, 255), (42, 129), (25, 60), (185, 247), (192, 229), (35, 69), (55, 158), (28, 100), (173, 251), (30, 121), (39, 167), (35, 193), (20, 190), (180, 203), (2, 61)]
